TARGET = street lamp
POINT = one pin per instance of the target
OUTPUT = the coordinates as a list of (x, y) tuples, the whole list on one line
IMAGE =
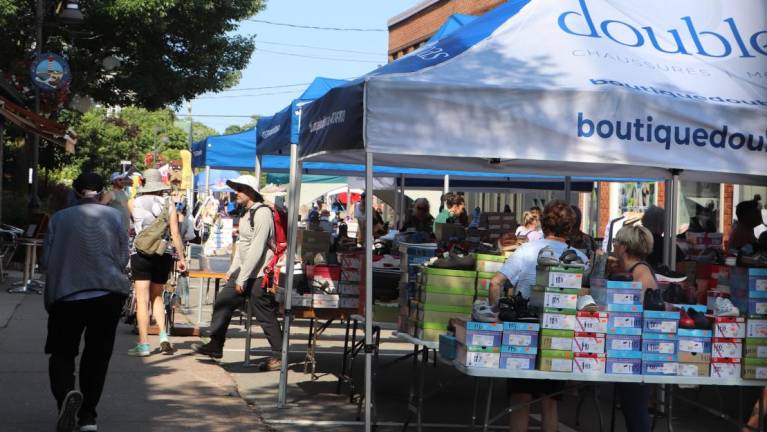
[(69, 13)]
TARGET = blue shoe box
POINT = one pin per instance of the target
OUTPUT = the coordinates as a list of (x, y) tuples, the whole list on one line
[(661, 321), (659, 343)]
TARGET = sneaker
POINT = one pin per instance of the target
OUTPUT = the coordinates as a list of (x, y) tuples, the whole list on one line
[(665, 274), (90, 427), (586, 303), (140, 350), (571, 258), (482, 312), (674, 294), (210, 349), (166, 348), (724, 307), (685, 321), (68, 413), (507, 309), (653, 300), (524, 314), (700, 320), (547, 257), (271, 364)]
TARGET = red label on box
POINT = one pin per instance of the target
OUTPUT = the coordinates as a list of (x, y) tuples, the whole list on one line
[(725, 360)]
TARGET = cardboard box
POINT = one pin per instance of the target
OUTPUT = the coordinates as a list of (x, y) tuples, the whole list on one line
[(590, 343), (483, 281), (479, 334), (624, 297), (662, 368), (591, 322), (660, 322), (558, 321), (447, 296), (326, 301), (589, 363), (757, 306), (520, 338), (629, 322), (489, 263), (694, 369), (727, 348), (725, 368), (562, 277), (624, 343), (755, 348), (562, 301), (635, 308), (691, 357), (445, 278), (560, 340), (513, 349), (608, 284), (555, 361), (754, 368), (695, 333), (659, 343), (624, 354), (623, 366), (489, 357), (517, 361), (756, 328), (730, 327)]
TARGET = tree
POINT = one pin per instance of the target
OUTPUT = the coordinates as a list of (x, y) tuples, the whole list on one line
[(233, 129), (161, 51), (200, 131)]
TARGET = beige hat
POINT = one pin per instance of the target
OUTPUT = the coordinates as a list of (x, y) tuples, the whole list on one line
[(153, 182)]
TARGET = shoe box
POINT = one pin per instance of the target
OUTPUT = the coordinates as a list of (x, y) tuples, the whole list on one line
[(589, 363), (518, 357), (659, 343), (600, 287), (624, 362), (589, 343), (481, 334), (559, 276), (694, 345), (591, 322), (447, 278), (446, 296), (558, 319), (726, 368), (625, 323), (520, 334), (478, 356), (489, 263), (482, 286), (659, 364), (726, 348), (440, 314), (748, 288), (617, 344), (555, 361), (694, 369), (660, 321), (755, 348), (754, 368), (730, 327), (558, 340)]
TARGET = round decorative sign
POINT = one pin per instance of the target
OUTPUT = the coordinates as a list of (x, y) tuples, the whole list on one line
[(50, 72)]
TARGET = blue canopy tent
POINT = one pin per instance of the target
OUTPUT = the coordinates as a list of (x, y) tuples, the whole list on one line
[(453, 23), (232, 152), (216, 180)]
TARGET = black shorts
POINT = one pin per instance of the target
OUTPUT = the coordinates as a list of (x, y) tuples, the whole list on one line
[(154, 268), (537, 388)]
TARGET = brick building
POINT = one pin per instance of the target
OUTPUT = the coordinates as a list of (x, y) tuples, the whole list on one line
[(411, 28)]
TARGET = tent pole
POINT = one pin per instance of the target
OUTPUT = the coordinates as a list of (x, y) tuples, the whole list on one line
[(402, 209), (207, 180), (396, 205), (294, 190), (2, 160), (671, 202), (446, 187), (568, 189), (369, 348), (258, 168), (594, 228)]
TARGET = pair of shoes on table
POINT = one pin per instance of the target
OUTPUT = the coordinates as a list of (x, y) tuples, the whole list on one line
[(211, 349), (665, 274), (547, 258), (586, 303), (515, 309), (725, 308), (692, 319), (482, 312)]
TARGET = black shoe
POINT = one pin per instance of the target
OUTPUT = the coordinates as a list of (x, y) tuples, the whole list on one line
[(166, 348), (211, 349), (653, 300), (507, 310), (68, 413), (524, 314), (701, 322), (665, 274), (674, 294)]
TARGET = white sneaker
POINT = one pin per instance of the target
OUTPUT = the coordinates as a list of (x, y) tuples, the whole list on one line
[(724, 307), (482, 312), (586, 303)]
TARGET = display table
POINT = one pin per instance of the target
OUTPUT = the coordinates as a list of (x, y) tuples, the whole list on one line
[(326, 316), (28, 283), (202, 275), (491, 374)]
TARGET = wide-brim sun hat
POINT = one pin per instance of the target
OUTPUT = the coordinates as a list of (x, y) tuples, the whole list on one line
[(153, 182), (246, 180)]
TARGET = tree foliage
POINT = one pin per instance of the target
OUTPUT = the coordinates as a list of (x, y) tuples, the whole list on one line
[(168, 50), (233, 129)]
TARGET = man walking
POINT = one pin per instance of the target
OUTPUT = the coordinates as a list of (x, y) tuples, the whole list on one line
[(253, 252), (85, 254), (118, 197)]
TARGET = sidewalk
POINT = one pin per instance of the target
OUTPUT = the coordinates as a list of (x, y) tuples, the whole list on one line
[(156, 393)]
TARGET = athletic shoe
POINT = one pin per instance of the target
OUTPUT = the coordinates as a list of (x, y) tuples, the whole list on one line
[(724, 307), (482, 312), (210, 349), (570, 258), (91, 427), (507, 309), (674, 293), (68, 413), (271, 364), (653, 301), (166, 348), (547, 257), (685, 321), (140, 350), (524, 314), (700, 320), (665, 274), (587, 303)]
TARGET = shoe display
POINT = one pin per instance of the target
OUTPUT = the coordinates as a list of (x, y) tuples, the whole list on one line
[(674, 293), (665, 274), (524, 314), (587, 303), (725, 308), (685, 321), (68, 413), (271, 364), (455, 262), (507, 309), (699, 319), (571, 258), (166, 348), (653, 301), (482, 312), (210, 349), (140, 350), (547, 257)]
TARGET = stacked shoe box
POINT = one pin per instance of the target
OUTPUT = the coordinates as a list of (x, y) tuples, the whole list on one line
[(727, 347), (755, 360), (659, 345), (412, 257), (479, 344), (483, 285), (325, 283), (694, 349), (624, 327), (590, 342), (519, 346), (559, 300), (442, 294), (349, 285)]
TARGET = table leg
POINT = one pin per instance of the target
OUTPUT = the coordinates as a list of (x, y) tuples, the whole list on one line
[(474, 404), (345, 357), (421, 373), (486, 425), (199, 304), (309, 354), (760, 422), (669, 395), (217, 285)]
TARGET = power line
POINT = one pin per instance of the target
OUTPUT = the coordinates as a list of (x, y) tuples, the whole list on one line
[(247, 95), (214, 115), (317, 57), (266, 87), (316, 27), (317, 47)]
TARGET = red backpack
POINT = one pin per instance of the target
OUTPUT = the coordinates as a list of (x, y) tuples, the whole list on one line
[(271, 279)]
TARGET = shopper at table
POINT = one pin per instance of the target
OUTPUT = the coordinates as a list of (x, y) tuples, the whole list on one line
[(530, 228), (454, 205), (150, 272), (632, 246), (85, 255), (519, 270), (749, 217), (579, 239), (420, 220), (253, 253)]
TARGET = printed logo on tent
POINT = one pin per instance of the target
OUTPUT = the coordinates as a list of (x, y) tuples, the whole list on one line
[(269, 132), (334, 118), (704, 42)]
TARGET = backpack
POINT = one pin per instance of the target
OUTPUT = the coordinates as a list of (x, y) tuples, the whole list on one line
[(280, 218), (152, 239)]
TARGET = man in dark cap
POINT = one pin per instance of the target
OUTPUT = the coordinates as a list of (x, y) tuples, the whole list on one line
[(85, 256)]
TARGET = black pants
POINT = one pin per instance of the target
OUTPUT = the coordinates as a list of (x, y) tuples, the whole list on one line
[(98, 318), (263, 308), (635, 400)]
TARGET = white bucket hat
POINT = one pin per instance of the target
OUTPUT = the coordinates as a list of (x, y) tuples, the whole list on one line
[(153, 182), (244, 180)]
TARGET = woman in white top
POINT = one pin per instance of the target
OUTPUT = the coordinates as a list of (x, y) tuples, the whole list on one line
[(150, 272), (530, 227)]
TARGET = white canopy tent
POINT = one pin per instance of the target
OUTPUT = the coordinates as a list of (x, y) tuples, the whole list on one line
[(614, 88)]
